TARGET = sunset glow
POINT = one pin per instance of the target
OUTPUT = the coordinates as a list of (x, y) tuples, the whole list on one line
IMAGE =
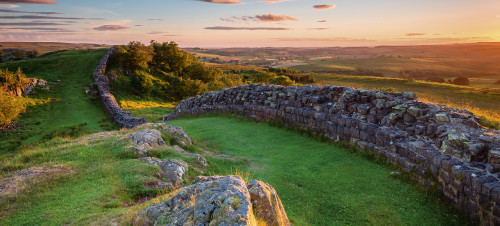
[(252, 23)]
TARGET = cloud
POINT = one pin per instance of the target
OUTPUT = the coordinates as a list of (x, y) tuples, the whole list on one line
[(318, 28), (27, 2), (139, 25), (273, 1), (324, 6), (322, 21), (247, 28), (47, 17), (233, 2), (31, 24), (110, 28), (171, 35), (259, 18), (322, 40), (160, 19), (19, 11), (415, 34), (156, 32), (47, 29), (9, 6)]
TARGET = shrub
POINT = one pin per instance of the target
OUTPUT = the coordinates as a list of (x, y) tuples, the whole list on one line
[(10, 108), (262, 76), (142, 82), (32, 53), (133, 56), (282, 80), (463, 81)]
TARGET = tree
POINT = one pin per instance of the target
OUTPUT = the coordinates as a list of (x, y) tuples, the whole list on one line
[(168, 57), (32, 53), (134, 56), (463, 81), (262, 76), (201, 72), (1, 56)]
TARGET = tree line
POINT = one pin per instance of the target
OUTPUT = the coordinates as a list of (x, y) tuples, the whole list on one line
[(164, 70)]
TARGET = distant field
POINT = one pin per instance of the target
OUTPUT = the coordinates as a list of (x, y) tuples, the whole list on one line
[(45, 47)]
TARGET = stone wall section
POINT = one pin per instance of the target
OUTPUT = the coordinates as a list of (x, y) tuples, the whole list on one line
[(120, 116), (442, 148)]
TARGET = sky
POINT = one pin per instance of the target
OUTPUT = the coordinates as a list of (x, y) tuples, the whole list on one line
[(252, 23)]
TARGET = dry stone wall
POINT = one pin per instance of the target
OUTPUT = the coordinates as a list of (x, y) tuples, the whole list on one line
[(442, 148), (120, 116)]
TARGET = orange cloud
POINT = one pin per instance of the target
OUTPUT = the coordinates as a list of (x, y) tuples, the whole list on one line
[(322, 21), (247, 28), (324, 6), (415, 34), (259, 18)]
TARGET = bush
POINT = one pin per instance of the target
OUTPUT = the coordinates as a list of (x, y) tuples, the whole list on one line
[(302, 79), (142, 83), (10, 108), (10, 81), (463, 81), (282, 80), (32, 53), (262, 76)]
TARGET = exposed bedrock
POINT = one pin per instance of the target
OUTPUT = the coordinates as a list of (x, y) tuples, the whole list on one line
[(441, 147)]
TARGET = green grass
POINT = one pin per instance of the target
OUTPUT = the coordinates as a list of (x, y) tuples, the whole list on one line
[(65, 105), (318, 183), (101, 182)]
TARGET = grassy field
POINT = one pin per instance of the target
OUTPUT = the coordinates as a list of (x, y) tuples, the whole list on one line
[(64, 109), (318, 183), (482, 102)]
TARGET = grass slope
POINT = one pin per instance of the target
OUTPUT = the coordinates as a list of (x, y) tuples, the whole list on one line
[(318, 183), (65, 109)]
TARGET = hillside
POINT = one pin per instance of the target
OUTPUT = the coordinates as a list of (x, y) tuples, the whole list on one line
[(46, 47), (63, 110), (97, 179)]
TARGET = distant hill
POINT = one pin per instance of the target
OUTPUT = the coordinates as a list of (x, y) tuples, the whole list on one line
[(46, 47)]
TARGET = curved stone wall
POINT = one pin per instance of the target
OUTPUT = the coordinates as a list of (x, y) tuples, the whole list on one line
[(120, 116), (442, 148)]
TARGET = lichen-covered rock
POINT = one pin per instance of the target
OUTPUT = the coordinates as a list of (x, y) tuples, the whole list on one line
[(208, 201), (177, 133), (198, 157), (172, 170), (146, 140), (266, 203)]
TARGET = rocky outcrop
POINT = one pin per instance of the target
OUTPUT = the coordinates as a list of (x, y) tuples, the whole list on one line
[(266, 203), (172, 170), (146, 140), (177, 133), (28, 87), (441, 147), (198, 157), (120, 116), (208, 201)]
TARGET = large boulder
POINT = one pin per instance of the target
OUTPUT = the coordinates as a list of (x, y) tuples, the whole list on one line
[(266, 203), (217, 200), (172, 170), (145, 140)]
